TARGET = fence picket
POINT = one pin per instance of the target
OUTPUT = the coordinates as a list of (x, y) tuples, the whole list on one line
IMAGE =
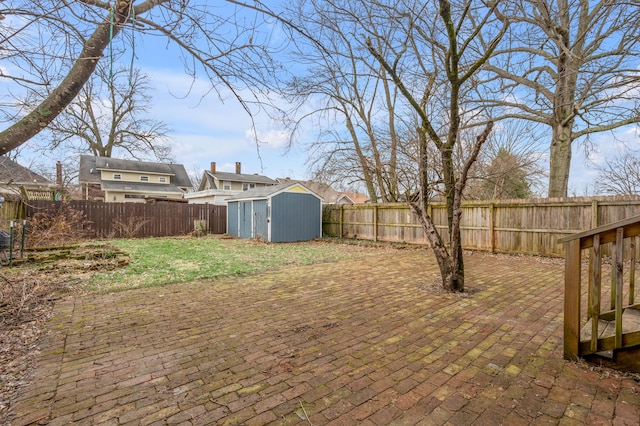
[(507, 226), (148, 220)]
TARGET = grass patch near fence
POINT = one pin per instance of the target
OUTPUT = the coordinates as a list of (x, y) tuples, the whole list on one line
[(160, 261)]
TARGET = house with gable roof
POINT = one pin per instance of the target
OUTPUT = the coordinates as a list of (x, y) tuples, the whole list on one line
[(18, 182), (130, 181), (328, 194), (216, 187)]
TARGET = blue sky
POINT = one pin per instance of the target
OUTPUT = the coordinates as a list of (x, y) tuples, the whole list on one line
[(205, 127), (213, 129), (217, 129)]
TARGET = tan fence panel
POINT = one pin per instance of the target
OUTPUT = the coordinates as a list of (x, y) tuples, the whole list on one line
[(509, 226)]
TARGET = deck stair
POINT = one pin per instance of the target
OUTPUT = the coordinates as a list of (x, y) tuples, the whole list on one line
[(603, 316)]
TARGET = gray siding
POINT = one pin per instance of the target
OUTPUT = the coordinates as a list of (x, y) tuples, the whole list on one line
[(295, 217), (232, 218)]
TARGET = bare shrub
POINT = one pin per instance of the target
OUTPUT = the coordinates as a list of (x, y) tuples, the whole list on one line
[(65, 226), (129, 227), (199, 228)]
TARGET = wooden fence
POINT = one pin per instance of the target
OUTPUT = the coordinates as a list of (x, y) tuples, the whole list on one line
[(510, 226), (105, 220), (12, 210)]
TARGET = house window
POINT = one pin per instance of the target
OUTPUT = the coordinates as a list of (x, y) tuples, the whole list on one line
[(227, 186), (246, 186), (144, 178), (117, 176), (162, 180), (137, 196)]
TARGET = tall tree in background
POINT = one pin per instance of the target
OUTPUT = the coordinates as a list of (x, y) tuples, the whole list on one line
[(353, 94), (620, 175), (59, 44), (573, 66), (510, 165), (108, 118), (505, 178)]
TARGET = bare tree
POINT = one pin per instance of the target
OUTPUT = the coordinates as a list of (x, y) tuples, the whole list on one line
[(59, 44), (573, 66), (354, 95), (108, 119), (620, 175), (432, 54), (456, 57), (510, 165)]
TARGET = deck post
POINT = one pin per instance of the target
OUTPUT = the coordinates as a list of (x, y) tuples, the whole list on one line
[(572, 299), (618, 266), (632, 271), (594, 291)]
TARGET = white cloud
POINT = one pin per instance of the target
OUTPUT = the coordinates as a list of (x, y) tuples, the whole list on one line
[(269, 139), (207, 129)]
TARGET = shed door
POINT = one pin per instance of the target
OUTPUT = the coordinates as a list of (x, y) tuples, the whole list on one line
[(245, 222), (260, 224), (232, 218)]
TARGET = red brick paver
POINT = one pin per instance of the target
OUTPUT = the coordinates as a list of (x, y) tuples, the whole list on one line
[(365, 341)]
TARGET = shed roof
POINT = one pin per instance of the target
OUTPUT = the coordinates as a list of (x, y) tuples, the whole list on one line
[(270, 191)]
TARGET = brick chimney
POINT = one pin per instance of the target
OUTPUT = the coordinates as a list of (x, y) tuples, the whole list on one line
[(238, 170), (213, 167), (59, 174)]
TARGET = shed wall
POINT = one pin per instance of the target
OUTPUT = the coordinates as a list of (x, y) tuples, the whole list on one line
[(295, 217)]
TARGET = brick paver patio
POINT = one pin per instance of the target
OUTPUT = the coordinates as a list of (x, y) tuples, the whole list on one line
[(367, 341)]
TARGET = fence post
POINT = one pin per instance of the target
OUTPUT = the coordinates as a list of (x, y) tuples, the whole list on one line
[(594, 214), (341, 219), (24, 228), (375, 223), (492, 237), (208, 217), (11, 244)]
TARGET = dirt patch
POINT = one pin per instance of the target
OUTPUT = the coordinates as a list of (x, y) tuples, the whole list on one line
[(28, 291)]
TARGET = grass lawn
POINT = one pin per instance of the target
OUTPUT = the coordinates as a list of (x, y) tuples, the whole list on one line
[(160, 261)]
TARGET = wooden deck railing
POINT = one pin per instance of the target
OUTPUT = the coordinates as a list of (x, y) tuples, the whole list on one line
[(608, 327)]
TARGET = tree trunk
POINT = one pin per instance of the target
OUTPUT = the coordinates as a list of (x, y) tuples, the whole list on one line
[(394, 194), (364, 164), (560, 161), (450, 263), (61, 96), (451, 267), (564, 100)]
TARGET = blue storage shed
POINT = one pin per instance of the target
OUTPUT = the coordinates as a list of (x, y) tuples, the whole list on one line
[(278, 214)]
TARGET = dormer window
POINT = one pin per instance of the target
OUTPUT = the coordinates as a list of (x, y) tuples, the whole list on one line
[(162, 180), (144, 178), (227, 186), (117, 176)]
